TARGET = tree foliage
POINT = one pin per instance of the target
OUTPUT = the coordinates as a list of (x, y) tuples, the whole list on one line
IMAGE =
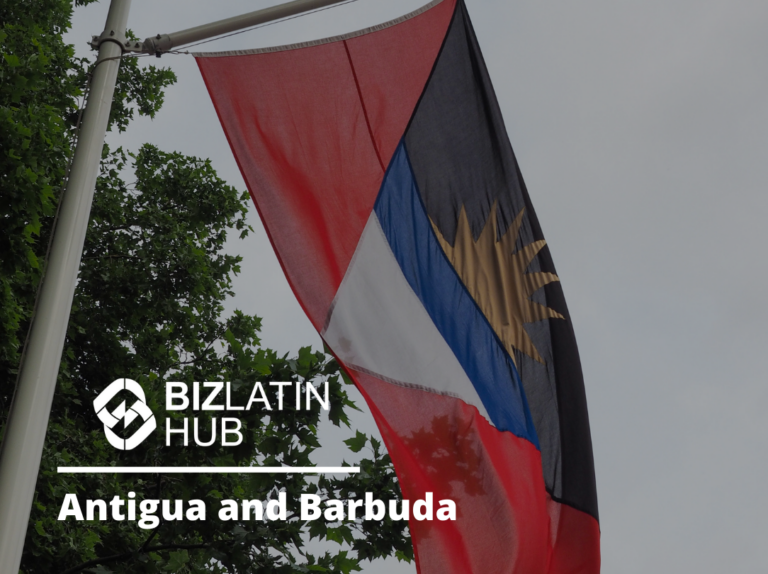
[(149, 306), (42, 85)]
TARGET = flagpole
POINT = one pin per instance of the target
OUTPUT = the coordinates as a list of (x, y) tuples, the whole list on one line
[(24, 435), (165, 42), (28, 419)]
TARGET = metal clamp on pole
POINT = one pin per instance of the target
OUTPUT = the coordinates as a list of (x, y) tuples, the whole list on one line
[(108, 36), (157, 45), (125, 44)]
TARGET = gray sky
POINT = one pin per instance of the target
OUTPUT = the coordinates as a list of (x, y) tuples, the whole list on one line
[(641, 128)]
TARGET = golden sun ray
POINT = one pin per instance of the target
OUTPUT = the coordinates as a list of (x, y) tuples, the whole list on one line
[(496, 279)]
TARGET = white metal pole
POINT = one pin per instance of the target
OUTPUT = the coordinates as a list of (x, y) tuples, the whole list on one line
[(25, 430), (165, 42)]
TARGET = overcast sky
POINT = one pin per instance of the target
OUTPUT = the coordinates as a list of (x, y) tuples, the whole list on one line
[(641, 128)]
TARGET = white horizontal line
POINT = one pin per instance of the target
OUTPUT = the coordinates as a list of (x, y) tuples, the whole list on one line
[(208, 469)]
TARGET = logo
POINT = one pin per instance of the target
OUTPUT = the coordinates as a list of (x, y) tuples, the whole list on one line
[(138, 409)]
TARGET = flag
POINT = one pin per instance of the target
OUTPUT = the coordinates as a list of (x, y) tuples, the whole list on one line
[(383, 173)]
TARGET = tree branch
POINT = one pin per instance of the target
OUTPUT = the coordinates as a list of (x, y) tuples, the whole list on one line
[(116, 256), (180, 546), (96, 562)]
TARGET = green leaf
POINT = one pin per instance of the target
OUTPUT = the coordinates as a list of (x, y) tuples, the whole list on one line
[(39, 528), (32, 258), (357, 442), (177, 561), (346, 565)]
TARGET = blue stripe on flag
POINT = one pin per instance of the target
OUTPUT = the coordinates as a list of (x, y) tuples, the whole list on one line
[(461, 323)]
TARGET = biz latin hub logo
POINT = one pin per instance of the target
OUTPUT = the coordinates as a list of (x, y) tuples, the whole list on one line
[(138, 420), (138, 410)]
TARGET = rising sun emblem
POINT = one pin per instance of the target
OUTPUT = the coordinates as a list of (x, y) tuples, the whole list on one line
[(495, 277)]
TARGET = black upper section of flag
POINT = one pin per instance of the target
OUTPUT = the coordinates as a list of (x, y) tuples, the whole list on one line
[(457, 142), (462, 158)]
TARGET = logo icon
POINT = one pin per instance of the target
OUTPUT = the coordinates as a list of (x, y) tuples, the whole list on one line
[(127, 415)]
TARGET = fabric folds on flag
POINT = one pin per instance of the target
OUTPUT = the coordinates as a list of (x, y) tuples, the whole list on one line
[(381, 168)]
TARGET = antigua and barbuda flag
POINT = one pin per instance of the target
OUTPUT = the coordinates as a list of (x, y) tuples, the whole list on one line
[(381, 168)]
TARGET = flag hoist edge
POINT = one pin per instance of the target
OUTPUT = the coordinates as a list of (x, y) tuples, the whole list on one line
[(383, 173)]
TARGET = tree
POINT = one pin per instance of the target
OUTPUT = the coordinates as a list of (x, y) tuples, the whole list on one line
[(41, 89), (149, 306)]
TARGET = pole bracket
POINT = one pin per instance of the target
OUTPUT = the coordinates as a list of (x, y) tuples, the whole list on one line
[(157, 44), (125, 44)]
